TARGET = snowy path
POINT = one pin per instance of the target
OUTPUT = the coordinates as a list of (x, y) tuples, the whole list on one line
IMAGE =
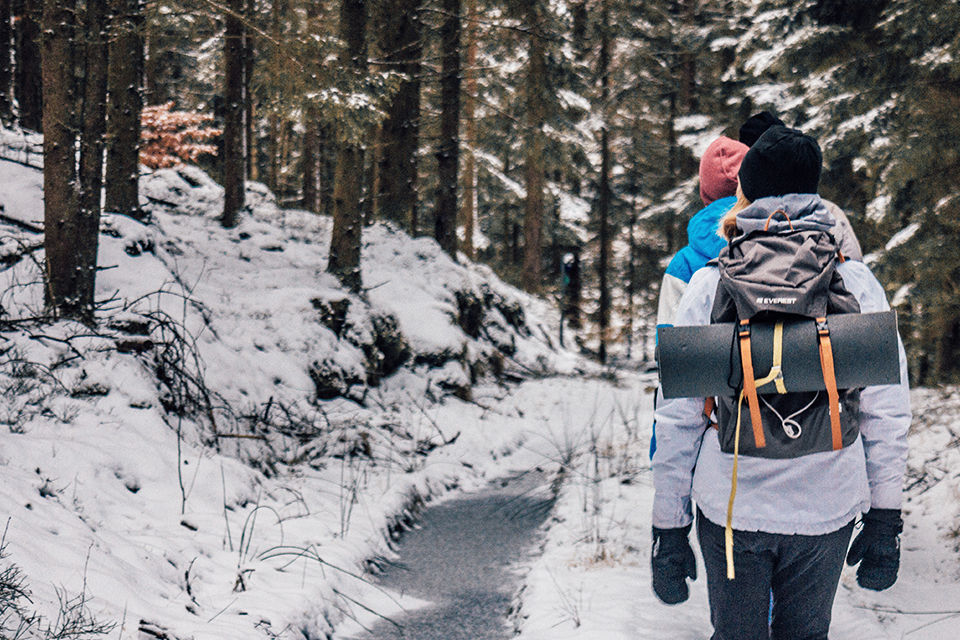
[(460, 561)]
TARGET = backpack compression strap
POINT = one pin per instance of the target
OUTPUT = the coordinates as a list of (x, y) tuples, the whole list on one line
[(750, 384), (830, 380)]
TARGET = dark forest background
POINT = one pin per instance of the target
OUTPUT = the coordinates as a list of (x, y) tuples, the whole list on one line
[(525, 134)]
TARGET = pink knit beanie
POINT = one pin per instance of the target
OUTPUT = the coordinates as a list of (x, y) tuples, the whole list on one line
[(719, 167)]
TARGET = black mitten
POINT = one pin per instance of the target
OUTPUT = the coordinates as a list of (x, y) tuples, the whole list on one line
[(877, 549), (673, 562)]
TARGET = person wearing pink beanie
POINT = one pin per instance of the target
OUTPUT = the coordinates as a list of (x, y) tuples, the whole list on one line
[(719, 167), (718, 187)]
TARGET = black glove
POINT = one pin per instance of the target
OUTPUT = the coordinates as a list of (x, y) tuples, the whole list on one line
[(673, 562), (877, 549)]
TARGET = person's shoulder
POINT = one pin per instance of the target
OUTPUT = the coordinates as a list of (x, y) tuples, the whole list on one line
[(697, 300), (707, 275), (858, 271), (682, 264), (862, 283)]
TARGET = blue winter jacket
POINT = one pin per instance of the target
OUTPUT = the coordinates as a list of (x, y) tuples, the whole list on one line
[(703, 245)]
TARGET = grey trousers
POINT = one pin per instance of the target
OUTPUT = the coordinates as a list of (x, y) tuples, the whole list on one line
[(802, 572)]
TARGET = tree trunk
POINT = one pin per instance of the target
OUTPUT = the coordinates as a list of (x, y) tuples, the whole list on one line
[(401, 50), (233, 164), (273, 119), (311, 137), (603, 266), (273, 150), (448, 154), (327, 152), (6, 79), (688, 61), (124, 104), (92, 145), (311, 148), (468, 208), (69, 286), (249, 55), (94, 109), (344, 260), (535, 115), (631, 279), (578, 9), (672, 166), (26, 88)]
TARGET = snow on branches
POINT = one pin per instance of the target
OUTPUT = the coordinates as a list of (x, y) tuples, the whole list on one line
[(169, 137)]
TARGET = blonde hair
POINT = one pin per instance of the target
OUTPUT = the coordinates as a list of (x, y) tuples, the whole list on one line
[(728, 223)]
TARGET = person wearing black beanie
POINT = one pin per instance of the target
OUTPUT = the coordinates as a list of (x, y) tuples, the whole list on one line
[(781, 161), (773, 559), (756, 125), (751, 131)]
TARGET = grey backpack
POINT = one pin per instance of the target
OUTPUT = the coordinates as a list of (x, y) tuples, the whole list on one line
[(775, 277)]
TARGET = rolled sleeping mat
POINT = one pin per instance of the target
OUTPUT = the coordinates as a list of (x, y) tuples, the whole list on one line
[(704, 361)]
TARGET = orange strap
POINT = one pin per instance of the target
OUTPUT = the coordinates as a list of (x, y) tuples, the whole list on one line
[(750, 384), (708, 407), (841, 257), (782, 212), (830, 380)]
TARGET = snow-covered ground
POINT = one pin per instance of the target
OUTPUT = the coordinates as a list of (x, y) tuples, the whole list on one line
[(593, 579)]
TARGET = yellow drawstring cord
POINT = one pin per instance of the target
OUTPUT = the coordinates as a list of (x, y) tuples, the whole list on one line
[(775, 375), (728, 533)]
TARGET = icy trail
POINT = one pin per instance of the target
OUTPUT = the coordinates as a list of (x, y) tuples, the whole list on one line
[(460, 561)]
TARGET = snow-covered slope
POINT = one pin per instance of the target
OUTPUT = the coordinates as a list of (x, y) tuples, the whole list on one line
[(222, 455)]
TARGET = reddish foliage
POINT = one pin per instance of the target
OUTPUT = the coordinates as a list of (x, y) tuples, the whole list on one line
[(170, 137)]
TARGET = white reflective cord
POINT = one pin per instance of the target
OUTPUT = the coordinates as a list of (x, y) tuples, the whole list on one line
[(790, 426)]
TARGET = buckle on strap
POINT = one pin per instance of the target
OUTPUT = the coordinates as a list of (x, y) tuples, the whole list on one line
[(822, 327)]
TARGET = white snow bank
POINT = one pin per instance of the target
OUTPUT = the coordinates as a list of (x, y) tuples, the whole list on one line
[(244, 507)]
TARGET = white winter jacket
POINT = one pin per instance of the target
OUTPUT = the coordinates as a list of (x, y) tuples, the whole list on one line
[(810, 495)]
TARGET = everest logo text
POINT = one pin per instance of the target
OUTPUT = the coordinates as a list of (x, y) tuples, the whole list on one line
[(776, 300)]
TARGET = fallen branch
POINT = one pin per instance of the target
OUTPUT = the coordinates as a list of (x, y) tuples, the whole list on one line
[(26, 226)]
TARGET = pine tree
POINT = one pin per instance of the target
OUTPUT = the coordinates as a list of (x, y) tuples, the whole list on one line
[(92, 145), (6, 79), (70, 283), (26, 88), (344, 261), (275, 64), (536, 76), (468, 177), (124, 105), (604, 204), (448, 154), (310, 159), (233, 158), (249, 62), (400, 44)]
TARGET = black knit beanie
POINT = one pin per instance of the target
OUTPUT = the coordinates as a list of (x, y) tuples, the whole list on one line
[(755, 125), (781, 161)]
